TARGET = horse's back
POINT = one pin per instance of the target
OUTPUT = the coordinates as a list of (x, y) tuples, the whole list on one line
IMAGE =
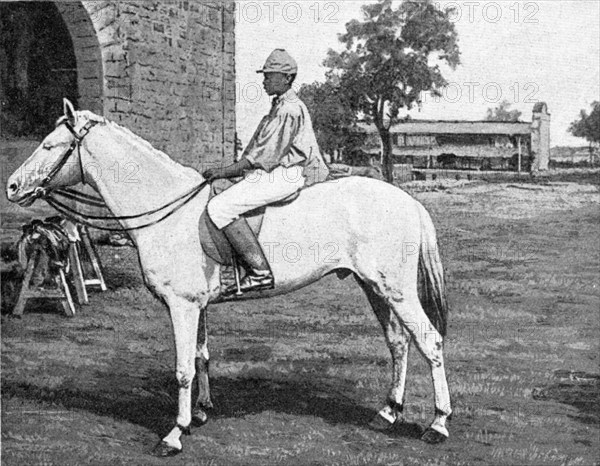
[(348, 197), (347, 212)]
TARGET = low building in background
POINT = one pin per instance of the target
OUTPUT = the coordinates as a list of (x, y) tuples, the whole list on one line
[(468, 145)]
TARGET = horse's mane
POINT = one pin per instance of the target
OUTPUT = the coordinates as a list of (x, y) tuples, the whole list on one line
[(138, 140)]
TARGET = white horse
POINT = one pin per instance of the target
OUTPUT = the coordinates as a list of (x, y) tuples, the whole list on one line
[(376, 232)]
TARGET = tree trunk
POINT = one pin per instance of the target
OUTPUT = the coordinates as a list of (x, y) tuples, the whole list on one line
[(387, 162)]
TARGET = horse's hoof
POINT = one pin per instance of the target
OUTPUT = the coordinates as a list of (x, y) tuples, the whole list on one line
[(164, 450), (433, 436), (380, 423), (199, 417)]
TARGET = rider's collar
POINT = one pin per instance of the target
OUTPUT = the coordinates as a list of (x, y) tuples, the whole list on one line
[(288, 95)]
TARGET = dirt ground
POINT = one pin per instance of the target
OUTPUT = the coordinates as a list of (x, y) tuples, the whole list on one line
[(296, 379)]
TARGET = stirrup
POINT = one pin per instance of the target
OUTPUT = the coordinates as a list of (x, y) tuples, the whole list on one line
[(251, 282)]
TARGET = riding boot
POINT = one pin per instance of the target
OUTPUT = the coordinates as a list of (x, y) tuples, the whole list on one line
[(242, 239)]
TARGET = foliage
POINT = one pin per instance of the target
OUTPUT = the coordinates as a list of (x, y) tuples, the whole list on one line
[(588, 126), (389, 62), (332, 116), (503, 113)]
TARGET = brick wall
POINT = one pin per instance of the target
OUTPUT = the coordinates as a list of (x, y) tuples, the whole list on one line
[(164, 69)]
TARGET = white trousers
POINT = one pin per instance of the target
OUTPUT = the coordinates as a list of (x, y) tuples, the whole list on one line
[(258, 188)]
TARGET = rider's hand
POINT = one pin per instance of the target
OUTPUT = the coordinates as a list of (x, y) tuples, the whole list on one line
[(232, 171), (212, 174)]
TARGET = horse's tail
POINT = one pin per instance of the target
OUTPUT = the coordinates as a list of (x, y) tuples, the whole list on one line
[(430, 279)]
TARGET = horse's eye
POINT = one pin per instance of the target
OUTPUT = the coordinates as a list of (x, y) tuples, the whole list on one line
[(47, 146)]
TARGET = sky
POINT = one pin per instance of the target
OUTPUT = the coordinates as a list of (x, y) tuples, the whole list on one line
[(521, 51)]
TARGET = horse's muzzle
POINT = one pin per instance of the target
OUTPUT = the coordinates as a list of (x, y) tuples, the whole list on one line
[(29, 198)]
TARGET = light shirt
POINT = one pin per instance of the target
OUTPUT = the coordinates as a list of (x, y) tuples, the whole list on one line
[(285, 137)]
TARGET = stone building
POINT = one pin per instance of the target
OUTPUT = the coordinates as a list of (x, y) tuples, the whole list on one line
[(482, 145), (164, 69)]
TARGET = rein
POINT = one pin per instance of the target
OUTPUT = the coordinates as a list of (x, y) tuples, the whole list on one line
[(85, 219), (94, 201), (80, 197)]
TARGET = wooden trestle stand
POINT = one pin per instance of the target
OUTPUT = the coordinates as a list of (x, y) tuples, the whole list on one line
[(80, 249)]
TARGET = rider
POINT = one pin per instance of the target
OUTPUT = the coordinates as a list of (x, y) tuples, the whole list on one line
[(281, 158)]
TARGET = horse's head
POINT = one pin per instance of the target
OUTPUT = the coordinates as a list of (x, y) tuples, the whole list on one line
[(55, 163)]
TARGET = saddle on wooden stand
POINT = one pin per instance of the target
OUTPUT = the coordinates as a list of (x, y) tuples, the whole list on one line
[(51, 251)]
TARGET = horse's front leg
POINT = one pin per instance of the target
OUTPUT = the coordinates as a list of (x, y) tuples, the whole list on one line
[(203, 402), (184, 317)]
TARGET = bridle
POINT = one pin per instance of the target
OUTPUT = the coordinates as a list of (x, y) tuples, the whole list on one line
[(42, 190), (45, 193)]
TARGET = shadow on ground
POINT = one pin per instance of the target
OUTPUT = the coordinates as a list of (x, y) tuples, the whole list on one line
[(233, 398), (578, 389)]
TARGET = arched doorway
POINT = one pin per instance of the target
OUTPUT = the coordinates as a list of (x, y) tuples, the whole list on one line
[(48, 50), (38, 67)]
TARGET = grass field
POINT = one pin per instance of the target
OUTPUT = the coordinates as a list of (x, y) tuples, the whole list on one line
[(296, 379)]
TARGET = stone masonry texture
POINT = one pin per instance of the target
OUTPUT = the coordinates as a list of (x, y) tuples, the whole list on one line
[(163, 69)]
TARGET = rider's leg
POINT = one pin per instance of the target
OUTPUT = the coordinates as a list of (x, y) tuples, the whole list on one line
[(245, 243), (257, 189)]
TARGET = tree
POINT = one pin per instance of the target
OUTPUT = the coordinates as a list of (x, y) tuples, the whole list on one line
[(503, 113), (332, 116), (390, 62), (588, 127)]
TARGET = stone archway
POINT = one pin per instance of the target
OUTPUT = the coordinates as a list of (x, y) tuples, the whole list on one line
[(49, 50), (90, 74)]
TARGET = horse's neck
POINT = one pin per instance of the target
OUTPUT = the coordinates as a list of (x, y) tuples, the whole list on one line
[(130, 175)]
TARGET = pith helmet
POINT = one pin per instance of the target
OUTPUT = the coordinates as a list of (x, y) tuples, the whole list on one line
[(279, 62)]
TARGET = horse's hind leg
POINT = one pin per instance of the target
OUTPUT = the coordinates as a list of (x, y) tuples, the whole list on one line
[(203, 401), (398, 342), (430, 343)]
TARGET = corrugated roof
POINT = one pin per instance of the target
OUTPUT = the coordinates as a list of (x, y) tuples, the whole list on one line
[(453, 127), (459, 151)]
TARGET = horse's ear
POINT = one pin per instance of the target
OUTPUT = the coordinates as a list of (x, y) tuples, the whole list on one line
[(70, 111)]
